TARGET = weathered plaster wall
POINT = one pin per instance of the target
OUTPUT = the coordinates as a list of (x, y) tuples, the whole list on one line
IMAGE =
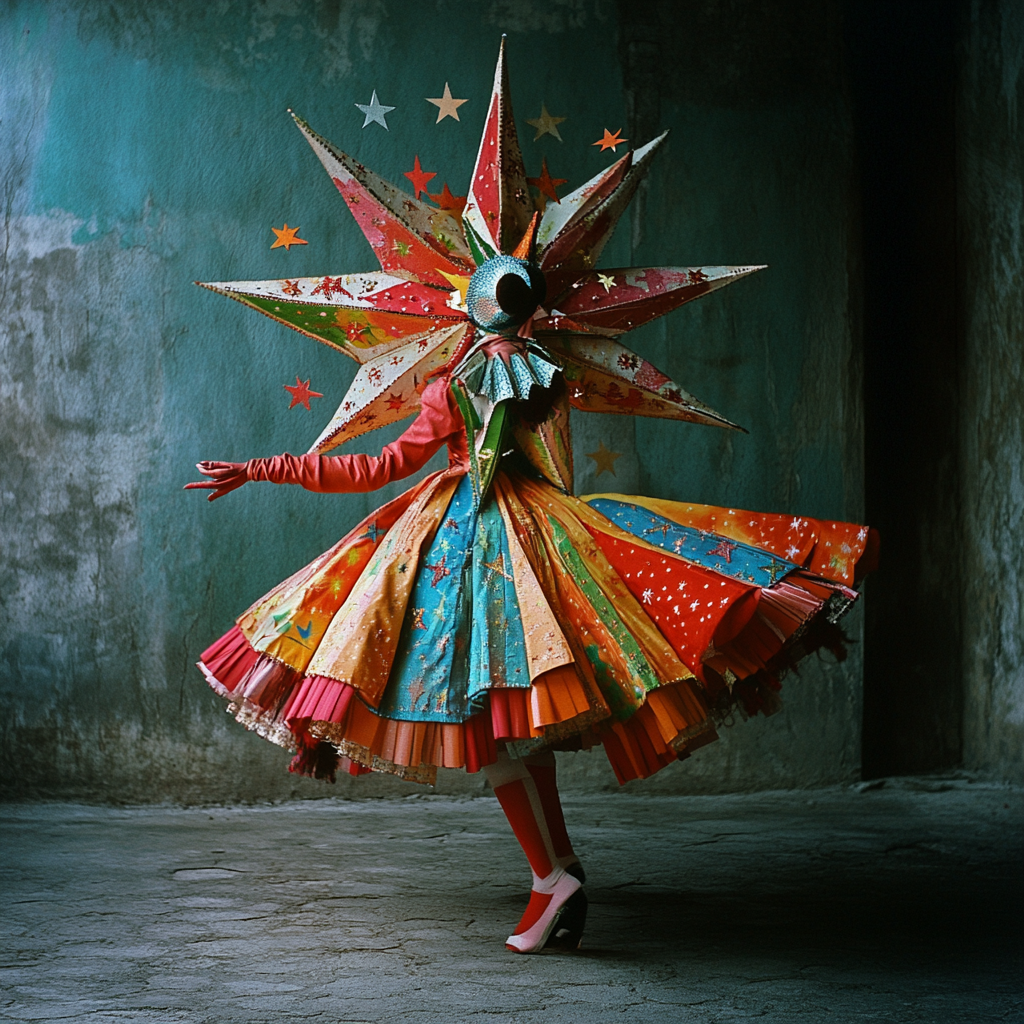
[(146, 145), (902, 60), (990, 195)]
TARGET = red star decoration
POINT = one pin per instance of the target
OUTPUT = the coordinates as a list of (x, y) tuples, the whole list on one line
[(545, 183), (610, 141), (300, 393), (419, 177), (447, 201), (725, 548), (395, 401), (440, 570)]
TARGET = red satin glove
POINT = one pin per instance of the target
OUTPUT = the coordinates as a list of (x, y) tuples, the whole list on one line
[(226, 477), (438, 423)]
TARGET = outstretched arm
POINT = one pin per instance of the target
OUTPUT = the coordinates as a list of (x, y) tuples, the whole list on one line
[(437, 421)]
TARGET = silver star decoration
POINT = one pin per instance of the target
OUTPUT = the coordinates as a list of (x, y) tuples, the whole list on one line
[(374, 111)]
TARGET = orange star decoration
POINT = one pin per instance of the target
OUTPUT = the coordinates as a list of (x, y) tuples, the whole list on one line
[(545, 183), (447, 201), (546, 124), (419, 177), (610, 141), (604, 460), (300, 393), (286, 237), (446, 106)]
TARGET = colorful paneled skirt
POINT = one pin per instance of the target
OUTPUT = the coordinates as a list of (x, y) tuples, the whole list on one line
[(436, 630)]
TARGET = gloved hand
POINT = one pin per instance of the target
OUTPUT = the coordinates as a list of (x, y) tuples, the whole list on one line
[(227, 476)]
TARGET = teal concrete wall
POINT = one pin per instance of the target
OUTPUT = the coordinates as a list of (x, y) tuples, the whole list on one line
[(143, 146), (990, 165)]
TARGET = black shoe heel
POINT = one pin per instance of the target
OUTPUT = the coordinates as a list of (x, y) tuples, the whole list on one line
[(568, 928), (577, 872)]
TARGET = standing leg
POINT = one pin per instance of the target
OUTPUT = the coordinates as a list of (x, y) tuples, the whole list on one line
[(542, 768), (558, 907)]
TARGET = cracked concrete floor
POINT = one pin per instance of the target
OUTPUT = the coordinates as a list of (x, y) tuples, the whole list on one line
[(894, 904)]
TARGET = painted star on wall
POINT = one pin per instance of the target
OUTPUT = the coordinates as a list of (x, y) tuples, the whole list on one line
[(447, 201), (545, 183), (286, 238), (546, 124), (300, 393), (610, 141), (374, 111), (419, 177), (604, 460), (408, 319), (446, 106)]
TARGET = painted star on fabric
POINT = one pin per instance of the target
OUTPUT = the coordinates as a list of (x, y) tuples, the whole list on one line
[(286, 238), (545, 183), (446, 106), (419, 177), (610, 141), (447, 201), (498, 566), (374, 111), (604, 460), (300, 393), (546, 124), (774, 569), (440, 570), (395, 401), (409, 318), (725, 548)]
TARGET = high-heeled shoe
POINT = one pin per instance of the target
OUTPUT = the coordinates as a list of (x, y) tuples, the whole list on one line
[(553, 919)]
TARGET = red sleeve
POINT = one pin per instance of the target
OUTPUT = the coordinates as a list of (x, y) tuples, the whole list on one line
[(439, 418)]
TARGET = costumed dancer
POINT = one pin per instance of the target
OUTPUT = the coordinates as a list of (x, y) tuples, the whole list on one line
[(487, 617)]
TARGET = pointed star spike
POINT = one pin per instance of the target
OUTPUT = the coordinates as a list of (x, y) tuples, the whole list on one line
[(574, 231), (362, 315), (409, 238), (525, 249), (614, 302), (384, 389), (498, 206), (603, 375)]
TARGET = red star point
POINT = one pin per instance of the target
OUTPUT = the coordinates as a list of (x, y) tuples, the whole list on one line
[(419, 177), (610, 141), (300, 393), (545, 183)]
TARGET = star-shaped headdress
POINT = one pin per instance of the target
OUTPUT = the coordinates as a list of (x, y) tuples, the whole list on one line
[(407, 320)]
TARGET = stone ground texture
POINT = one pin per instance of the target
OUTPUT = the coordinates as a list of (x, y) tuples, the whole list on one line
[(899, 903)]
